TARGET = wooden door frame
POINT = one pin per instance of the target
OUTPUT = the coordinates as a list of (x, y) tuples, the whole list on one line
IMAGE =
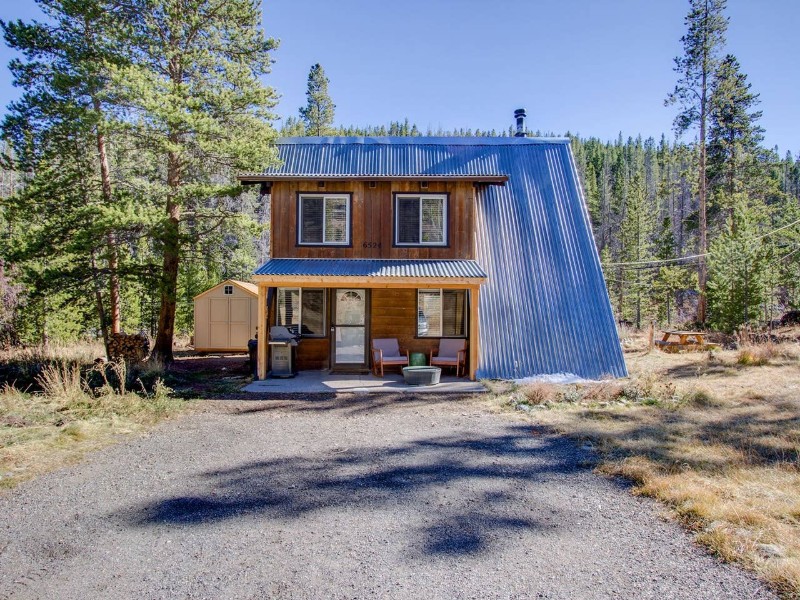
[(350, 367)]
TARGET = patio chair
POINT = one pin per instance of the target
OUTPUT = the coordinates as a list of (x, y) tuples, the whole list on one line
[(386, 352), (452, 353)]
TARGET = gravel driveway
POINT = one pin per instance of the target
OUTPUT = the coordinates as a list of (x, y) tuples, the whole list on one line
[(351, 498)]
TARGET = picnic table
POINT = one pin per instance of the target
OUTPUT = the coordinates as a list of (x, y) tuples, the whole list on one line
[(686, 340)]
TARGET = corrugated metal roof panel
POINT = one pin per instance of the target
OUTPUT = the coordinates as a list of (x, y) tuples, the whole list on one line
[(396, 156), (364, 267), (544, 308)]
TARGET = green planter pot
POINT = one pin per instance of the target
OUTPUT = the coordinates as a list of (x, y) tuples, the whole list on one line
[(417, 359)]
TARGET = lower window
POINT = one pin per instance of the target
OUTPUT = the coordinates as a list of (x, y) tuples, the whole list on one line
[(441, 313), (302, 311)]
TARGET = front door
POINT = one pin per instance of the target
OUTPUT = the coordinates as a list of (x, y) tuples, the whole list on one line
[(349, 329)]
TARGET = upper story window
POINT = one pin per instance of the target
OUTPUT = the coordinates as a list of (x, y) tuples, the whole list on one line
[(228, 290), (420, 219), (323, 219)]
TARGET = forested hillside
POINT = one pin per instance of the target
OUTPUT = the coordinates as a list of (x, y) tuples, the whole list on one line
[(119, 199)]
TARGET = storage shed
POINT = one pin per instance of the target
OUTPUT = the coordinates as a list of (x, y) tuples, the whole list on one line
[(225, 317)]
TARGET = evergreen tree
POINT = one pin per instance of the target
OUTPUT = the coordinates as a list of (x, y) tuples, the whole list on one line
[(734, 136), (292, 127), (738, 268), (65, 75), (318, 112), (702, 43), (197, 109)]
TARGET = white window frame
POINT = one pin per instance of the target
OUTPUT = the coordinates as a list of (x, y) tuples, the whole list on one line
[(441, 313), (325, 197), (445, 202), (300, 311)]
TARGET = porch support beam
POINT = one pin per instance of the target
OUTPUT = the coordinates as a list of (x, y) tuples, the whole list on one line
[(263, 334), (474, 334)]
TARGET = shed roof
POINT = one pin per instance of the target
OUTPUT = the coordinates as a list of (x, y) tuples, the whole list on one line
[(246, 286), (544, 308)]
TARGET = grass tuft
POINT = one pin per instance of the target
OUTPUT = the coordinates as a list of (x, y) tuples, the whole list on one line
[(79, 406), (717, 443)]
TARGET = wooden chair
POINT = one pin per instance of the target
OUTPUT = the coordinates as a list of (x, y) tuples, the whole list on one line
[(386, 352), (452, 353)]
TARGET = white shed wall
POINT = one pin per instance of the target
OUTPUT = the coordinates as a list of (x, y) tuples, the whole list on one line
[(225, 322)]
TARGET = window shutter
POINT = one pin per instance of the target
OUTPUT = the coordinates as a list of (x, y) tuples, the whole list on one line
[(453, 311), (432, 220), (336, 221), (313, 312), (289, 308), (407, 220), (430, 313), (311, 210)]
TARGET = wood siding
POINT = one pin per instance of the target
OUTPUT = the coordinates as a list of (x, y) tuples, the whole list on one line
[(372, 219), (393, 313)]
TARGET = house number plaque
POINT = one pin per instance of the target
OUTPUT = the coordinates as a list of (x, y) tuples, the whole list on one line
[(371, 245)]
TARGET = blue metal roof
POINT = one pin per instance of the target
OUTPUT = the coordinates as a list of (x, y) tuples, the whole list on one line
[(544, 308), (395, 156), (368, 267)]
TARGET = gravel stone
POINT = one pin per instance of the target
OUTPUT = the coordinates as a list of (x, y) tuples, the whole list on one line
[(350, 497)]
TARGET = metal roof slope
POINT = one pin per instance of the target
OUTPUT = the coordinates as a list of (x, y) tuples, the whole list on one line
[(545, 297), (395, 156), (367, 267)]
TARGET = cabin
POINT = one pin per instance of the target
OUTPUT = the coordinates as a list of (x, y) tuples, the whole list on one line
[(425, 238)]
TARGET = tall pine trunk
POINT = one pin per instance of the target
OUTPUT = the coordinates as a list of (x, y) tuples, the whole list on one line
[(98, 298), (111, 238), (169, 276), (702, 268)]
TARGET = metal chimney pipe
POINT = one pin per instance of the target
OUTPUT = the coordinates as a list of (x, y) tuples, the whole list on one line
[(520, 115)]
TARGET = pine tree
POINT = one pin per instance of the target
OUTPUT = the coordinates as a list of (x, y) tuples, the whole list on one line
[(734, 135), (704, 39), (65, 75), (197, 109), (737, 268), (318, 112)]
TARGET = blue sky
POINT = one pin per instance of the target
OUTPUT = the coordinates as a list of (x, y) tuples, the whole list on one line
[(587, 66)]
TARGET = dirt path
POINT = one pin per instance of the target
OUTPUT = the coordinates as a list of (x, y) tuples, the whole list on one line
[(351, 498)]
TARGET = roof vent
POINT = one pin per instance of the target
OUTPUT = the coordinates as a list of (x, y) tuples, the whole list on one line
[(520, 115)]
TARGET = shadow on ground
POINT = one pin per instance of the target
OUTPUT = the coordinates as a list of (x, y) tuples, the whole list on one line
[(456, 482)]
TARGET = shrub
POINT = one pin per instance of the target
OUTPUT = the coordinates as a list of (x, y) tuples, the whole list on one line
[(538, 393)]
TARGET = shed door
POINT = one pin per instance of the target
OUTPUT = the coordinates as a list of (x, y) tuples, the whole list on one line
[(219, 330), (239, 322)]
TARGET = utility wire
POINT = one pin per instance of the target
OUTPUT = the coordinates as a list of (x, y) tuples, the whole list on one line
[(656, 263)]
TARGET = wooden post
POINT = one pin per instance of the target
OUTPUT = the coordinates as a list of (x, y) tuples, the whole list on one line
[(651, 336), (263, 334), (473, 331)]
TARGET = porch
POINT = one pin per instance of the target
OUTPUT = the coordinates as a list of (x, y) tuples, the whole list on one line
[(315, 382), (338, 306)]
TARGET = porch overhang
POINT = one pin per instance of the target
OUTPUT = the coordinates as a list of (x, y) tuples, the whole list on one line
[(370, 273), (380, 273)]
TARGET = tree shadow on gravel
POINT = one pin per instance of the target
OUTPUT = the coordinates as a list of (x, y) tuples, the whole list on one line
[(350, 404), (455, 482)]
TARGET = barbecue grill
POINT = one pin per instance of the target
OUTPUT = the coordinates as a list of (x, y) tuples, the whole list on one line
[(282, 345)]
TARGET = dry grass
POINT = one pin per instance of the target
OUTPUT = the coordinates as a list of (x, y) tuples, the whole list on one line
[(714, 436), (44, 430)]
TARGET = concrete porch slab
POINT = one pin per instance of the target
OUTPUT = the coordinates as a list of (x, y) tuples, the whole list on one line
[(315, 382)]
